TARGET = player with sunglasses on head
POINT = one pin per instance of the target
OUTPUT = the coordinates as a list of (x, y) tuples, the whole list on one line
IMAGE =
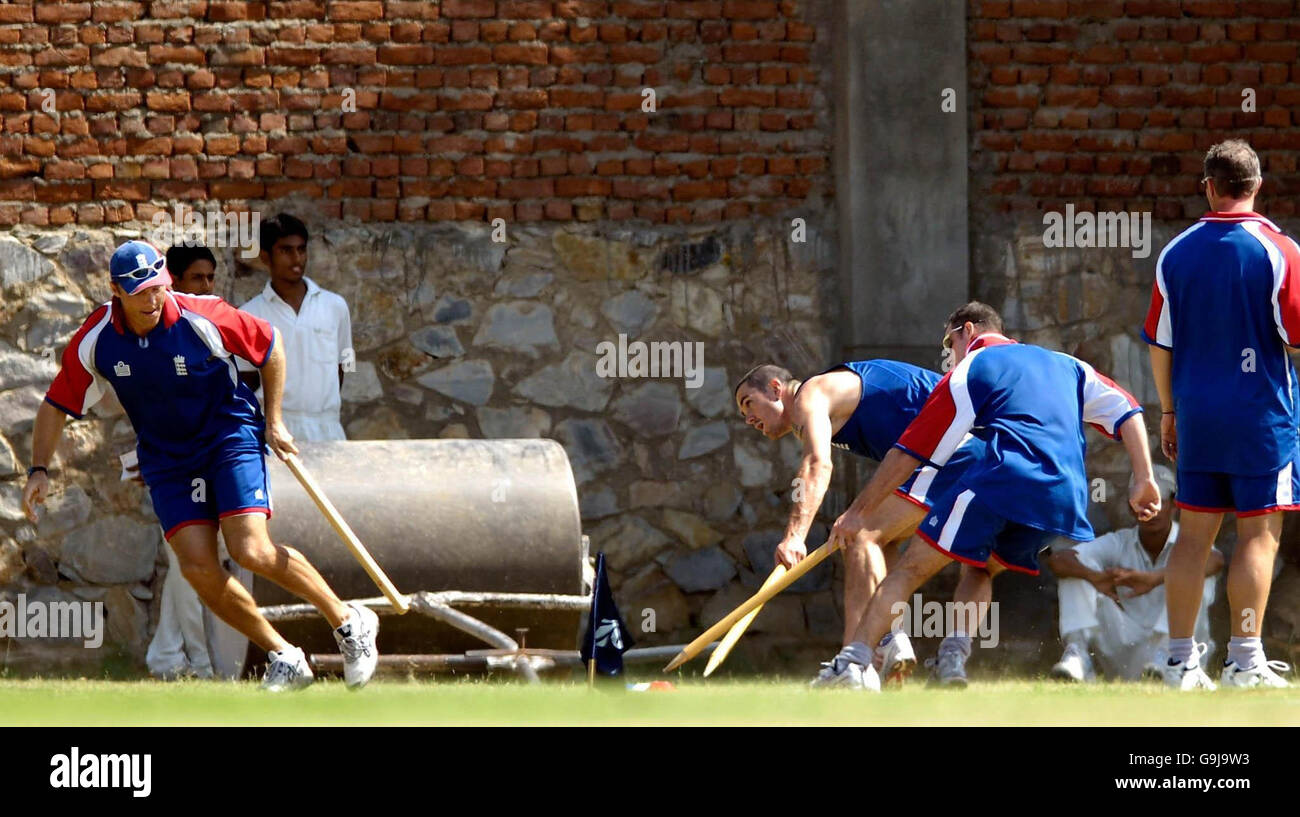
[(169, 359)]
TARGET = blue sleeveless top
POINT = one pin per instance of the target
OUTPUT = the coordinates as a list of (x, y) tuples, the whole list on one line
[(892, 396)]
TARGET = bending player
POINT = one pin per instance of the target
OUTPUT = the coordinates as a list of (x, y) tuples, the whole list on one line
[(1224, 308), (1027, 487), (168, 358), (861, 406)]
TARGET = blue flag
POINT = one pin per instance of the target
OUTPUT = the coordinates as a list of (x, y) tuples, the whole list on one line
[(607, 636)]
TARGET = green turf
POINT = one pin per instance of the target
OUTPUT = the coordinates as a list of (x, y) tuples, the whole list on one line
[(696, 701)]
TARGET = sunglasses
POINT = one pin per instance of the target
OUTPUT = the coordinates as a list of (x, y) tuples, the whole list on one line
[(143, 272), (947, 339)]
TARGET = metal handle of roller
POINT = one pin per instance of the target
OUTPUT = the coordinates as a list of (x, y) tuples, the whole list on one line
[(755, 601), (399, 602)]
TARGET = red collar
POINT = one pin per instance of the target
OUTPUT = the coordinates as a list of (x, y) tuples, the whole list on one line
[(988, 339), (171, 312), (1236, 217)]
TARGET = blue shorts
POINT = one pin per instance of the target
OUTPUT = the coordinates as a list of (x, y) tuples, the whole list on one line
[(1214, 492), (928, 482), (228, 480), (962, 527)]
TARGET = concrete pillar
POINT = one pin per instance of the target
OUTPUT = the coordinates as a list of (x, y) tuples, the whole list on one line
[(900, 174)]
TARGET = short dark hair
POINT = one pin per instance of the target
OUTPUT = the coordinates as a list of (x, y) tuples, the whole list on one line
[(1233, 166), (980, 314), (762, 374), (279, 226), (181, 256)]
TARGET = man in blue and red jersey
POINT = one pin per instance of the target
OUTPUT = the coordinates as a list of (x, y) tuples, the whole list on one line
[(168, 357), (1224, 308), (862, 407), (1029, 486)]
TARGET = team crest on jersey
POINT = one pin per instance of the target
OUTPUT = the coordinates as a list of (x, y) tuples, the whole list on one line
[(121, 369), (179, 360)]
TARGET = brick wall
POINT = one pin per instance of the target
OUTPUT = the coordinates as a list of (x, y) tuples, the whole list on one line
[(529, 110), (1111, 105)]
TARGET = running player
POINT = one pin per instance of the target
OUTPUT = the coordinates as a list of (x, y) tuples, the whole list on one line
[(168, 358), (1224, 308), (1028, 404), (862, 407)]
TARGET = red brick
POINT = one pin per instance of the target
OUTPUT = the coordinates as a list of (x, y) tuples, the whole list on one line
[(405, 54), (468, 8), (225, 12)]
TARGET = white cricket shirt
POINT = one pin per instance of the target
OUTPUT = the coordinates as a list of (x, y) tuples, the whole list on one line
[(316, 342)]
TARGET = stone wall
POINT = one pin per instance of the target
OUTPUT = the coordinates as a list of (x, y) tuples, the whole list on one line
[(460, 336)]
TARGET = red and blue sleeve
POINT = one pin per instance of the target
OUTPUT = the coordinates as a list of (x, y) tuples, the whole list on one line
[(1286, 298), (74, 389), (242, 334), (1106, 406), (943, 422)]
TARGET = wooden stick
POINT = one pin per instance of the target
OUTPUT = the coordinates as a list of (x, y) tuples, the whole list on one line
[(755, 601), (398, 601), (591, 673), (738, 629)]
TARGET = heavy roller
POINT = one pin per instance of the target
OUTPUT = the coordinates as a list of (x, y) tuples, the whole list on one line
[(483, 536)]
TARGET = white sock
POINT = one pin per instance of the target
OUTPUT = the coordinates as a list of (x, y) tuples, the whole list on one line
[(1180, 649), (1247, 652), (857, 652)]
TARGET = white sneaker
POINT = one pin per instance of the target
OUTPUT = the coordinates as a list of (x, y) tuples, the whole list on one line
[(898, 660), (1265, 674), (288, 670), (356, 640), (1188, 675), (841, 672), (1075, 665)]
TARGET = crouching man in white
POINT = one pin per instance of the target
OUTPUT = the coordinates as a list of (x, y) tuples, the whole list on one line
[(1112, 597)]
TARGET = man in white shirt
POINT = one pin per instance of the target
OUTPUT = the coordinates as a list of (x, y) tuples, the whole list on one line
[(1112, 596), (315, 325)]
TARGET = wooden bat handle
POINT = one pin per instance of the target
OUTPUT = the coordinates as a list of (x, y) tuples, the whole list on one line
[(738, 629), (755, 601), (398, 601)]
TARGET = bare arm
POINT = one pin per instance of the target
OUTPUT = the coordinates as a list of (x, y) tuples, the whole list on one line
[(1065, 564), (1144, 497), (894, 470), (1162, 362), (277, 436), (46, 432), (812, 423)]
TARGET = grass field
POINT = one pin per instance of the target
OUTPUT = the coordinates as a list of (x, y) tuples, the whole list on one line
[(696, 701)]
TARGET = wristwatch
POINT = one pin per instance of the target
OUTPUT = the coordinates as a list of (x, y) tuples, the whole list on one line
[(35, 468)]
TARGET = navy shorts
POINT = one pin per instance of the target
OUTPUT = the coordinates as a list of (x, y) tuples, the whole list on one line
[(927, 482), (962, 527), (1212, 492), (228, 480)]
